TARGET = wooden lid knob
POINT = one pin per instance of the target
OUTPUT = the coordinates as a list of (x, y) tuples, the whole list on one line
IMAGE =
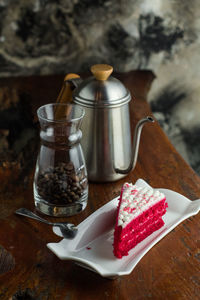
[(101, 71)]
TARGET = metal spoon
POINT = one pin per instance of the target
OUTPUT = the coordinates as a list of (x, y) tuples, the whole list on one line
[(68, 230)]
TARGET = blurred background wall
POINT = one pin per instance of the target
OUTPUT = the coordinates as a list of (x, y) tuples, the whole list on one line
[(45, 36), (51, 37)]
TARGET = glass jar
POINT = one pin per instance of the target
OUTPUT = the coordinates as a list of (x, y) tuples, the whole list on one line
[(60, 182)]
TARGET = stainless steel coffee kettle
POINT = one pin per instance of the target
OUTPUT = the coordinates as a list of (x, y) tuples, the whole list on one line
[(106, 140)]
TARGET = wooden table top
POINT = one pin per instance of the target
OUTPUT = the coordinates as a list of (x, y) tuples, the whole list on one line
[(170, 270)]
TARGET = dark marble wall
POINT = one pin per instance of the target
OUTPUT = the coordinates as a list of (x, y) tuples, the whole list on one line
[(45, 36)]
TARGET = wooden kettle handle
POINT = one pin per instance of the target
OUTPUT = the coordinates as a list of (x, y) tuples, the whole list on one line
[(65, 95)]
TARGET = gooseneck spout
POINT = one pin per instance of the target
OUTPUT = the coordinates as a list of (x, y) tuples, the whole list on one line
[(136, 143)]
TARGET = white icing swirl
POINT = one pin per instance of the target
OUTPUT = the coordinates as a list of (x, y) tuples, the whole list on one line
[(135, 200)]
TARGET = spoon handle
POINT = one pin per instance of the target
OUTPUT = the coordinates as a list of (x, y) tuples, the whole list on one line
[(27, 213)]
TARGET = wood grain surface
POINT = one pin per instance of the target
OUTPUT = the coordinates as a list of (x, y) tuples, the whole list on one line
[(170, 270)]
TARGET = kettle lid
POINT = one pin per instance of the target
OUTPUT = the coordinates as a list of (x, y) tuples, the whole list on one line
[(101, 89)]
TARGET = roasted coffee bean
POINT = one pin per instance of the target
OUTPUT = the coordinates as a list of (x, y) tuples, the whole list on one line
[(69, 166), (76, 197), (60, 185)]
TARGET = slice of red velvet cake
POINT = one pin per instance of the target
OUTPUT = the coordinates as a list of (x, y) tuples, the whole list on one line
[(139, 214)]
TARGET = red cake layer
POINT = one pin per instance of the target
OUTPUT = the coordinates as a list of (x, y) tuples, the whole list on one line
[(136, 239), (150, 220), (138, 229)]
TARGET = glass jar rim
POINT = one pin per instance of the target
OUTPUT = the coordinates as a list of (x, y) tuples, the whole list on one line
[(82, 112)]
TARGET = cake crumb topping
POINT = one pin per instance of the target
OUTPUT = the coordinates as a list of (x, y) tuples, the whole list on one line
[(135, 200)]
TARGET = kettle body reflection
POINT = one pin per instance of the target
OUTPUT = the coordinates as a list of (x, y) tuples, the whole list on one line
[(109, 151)]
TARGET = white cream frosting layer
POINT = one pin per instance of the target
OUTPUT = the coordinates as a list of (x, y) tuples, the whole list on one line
[(135, 200)]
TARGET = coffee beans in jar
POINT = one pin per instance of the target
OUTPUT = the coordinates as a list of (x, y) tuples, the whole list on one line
[(61, 185)]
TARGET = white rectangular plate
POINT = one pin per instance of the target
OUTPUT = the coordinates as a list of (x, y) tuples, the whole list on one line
[(92, 247)]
